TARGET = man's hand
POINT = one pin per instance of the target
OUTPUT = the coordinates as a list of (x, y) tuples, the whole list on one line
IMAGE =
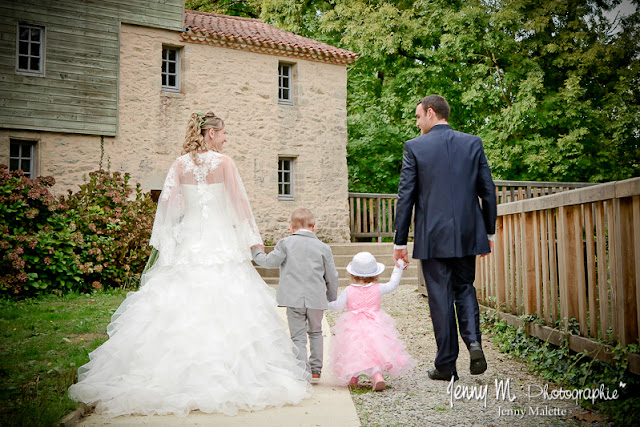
[(401, 254), (490, 249), (261, 247)]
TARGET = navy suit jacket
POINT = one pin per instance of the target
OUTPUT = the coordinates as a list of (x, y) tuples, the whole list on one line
[(445, 174)]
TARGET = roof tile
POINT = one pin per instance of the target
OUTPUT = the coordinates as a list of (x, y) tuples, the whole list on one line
[(253, 34)]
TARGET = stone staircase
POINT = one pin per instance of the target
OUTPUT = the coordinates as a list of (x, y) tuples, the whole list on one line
[(343, 254)]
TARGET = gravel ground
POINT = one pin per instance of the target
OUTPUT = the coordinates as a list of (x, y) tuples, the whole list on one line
[(416, 400)]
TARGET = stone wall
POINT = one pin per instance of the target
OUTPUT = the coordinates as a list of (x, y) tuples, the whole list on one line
[(241, 87)]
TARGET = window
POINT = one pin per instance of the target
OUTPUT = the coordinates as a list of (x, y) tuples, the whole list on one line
[(30, 50), (284, 83), (171, 69), (285, 178), (21, 156)]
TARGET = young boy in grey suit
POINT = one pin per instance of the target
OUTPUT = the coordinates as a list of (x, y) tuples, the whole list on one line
[(308, 282)]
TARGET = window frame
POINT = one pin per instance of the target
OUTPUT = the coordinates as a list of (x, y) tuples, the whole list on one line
[(32, 173), (178, 75), (281, 87), (41, 53), (282, 182)]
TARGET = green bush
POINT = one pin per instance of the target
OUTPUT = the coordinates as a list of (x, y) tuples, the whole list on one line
[(38, 246), (573, 370), (115, 227), (95, 238)]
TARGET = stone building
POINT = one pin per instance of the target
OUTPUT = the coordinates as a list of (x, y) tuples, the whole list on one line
[(80, 83)]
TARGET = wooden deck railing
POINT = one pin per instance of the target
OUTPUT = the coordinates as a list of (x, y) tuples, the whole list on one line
[(372, 214), (574, 255), (511, 191)]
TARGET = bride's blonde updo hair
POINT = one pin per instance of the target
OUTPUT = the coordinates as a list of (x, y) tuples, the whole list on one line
[(199, 122)]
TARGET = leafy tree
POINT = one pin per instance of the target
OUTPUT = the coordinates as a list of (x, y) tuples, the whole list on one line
[(247, 9), (550, 86)]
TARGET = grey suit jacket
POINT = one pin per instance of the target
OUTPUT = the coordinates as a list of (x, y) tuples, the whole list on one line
[(308, 275)]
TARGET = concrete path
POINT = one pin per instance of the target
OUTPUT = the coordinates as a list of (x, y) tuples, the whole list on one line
[(330, 405)]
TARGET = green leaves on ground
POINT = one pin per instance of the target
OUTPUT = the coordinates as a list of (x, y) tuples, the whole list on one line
[(572, 370)]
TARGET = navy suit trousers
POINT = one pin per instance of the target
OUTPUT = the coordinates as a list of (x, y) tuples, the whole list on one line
[(450, 282)]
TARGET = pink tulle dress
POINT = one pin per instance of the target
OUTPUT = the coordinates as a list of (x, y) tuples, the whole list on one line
[(366, 340)]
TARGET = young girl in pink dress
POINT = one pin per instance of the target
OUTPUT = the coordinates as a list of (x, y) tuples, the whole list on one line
[(366, 341)]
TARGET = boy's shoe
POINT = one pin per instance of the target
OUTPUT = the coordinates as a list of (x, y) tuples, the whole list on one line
[(353, 382), (315, 377), (378, 382)]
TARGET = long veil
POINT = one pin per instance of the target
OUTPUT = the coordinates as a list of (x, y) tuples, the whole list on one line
[(199, 171)]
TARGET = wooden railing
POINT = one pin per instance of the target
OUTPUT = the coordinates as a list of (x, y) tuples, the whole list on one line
[(372, 214), (511, 191), (574, 255)]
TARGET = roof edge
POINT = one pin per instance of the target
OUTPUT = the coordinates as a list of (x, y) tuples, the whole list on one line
[(196, 34)]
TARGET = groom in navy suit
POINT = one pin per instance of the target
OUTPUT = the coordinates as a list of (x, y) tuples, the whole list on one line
[(444, 176)]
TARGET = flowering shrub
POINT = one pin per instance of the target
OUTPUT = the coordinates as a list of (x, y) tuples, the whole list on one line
[(115, 227), (95, 238), (38, 243)]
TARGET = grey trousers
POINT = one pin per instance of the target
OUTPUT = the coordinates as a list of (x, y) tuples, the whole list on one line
[(303, 321)]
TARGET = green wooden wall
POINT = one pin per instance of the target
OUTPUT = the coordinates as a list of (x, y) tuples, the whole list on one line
[(79, 90)]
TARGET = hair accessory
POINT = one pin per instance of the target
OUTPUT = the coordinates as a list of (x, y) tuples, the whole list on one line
[(365, 265), (201, 116)]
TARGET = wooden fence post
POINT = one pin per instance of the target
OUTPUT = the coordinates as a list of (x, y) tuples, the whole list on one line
[(553, 263), (500, 262), (378, 219), (529, 267), (602, 271), (518, 221), (537, 284), (636, 247), (625, 274), (578, 261), (511, 287), (566, 268), (590, 264)]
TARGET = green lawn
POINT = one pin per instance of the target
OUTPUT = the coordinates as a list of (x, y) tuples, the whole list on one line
[(42, 343)]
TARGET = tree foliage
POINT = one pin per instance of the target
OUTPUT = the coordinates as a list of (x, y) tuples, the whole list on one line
[(247, 9), (552, 86)]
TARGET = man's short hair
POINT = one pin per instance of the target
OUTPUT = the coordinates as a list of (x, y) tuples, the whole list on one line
[(302, 218), (438, 104)]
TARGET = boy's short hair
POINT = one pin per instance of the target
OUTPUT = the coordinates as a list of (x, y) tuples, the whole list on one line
[(302, 218)]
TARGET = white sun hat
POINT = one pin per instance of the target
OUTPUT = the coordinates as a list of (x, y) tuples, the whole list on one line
[(365, 265)]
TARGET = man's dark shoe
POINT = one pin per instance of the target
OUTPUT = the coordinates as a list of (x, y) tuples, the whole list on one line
[(434, 374), (478, 362)]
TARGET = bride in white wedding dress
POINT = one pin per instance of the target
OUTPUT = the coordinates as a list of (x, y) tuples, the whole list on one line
[(202, 332)]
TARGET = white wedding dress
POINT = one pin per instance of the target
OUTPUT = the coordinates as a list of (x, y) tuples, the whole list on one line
[(202, 332)]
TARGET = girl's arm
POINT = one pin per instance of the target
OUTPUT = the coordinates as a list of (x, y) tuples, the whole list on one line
[(394, 281), (340, 302)]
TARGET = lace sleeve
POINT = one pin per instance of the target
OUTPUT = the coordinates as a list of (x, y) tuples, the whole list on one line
[(166, 225), (239, 201)]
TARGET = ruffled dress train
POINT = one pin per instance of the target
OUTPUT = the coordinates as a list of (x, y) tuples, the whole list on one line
[(202, 333)]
